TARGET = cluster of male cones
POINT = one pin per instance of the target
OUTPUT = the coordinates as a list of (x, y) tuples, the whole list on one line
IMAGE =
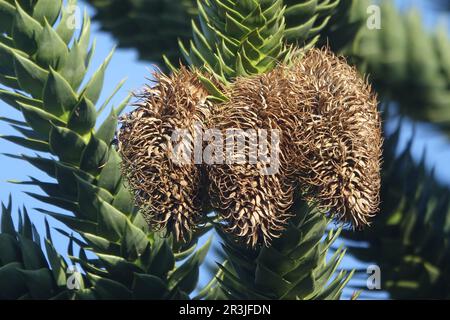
[(329, 148)]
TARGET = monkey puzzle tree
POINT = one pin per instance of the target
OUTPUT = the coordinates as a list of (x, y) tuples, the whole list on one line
[(231, 44)]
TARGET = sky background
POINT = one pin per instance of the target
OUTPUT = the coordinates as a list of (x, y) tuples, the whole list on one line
[(125, 64)]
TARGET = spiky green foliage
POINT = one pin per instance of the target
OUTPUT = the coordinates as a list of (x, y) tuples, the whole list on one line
[(237, 38), (25, 272), (409, 240), (295, 267), (30, 270), (409, 66), (43, 64), (157, 25), (242, 38), (342, 30), (153, 27), (306, 19)]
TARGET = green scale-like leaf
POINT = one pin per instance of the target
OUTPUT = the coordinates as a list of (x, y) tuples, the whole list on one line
[(305, 19), (237, 38), (24, 270), (294, 267)]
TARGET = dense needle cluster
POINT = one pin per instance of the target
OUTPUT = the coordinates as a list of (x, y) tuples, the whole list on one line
[(329, 148)]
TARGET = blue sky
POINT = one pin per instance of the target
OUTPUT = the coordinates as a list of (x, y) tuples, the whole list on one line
[(125, 64)]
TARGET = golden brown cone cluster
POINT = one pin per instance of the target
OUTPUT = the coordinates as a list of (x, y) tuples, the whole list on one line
[(329, 149), (167, 191)]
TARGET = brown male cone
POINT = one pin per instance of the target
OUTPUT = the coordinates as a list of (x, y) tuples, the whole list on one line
[(252, 201), (338, 143), (166, 188)]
